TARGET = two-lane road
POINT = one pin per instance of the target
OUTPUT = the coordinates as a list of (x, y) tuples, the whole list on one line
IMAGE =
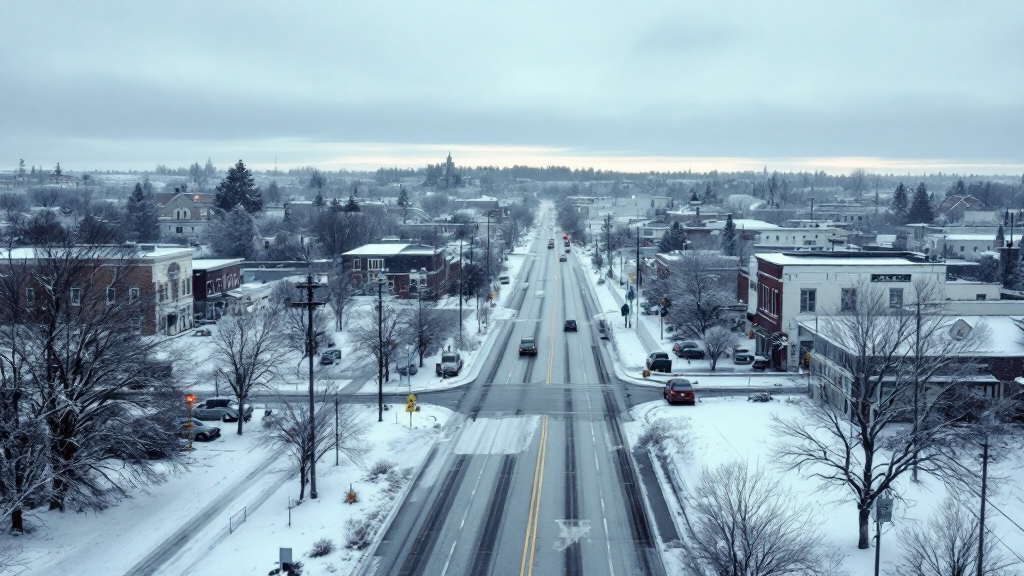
[(538, 478)]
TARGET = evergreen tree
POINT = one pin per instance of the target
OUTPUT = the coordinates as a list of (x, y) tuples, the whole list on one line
[(239, 189), (141, 216), (273, 193), (232, 235), (900, 204), (674, 239), (317, 181), (921, 210), (351, 206), (1000, 238), (403, 202), (729, 247)]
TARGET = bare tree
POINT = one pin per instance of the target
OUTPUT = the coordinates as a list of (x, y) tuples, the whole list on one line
[(248, 348), (288, 428), (864, 432), (701, 285), (379, 336), (742, 522), (948, 545), (718, 340), (432, 326), (342, 290), (294, 320)]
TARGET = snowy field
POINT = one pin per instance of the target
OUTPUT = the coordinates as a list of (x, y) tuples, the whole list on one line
[(243, 474), (720, 430)]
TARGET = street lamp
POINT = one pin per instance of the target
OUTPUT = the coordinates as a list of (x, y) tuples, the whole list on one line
[(421, 281), (190, 401), (310, 304), (381, 280)]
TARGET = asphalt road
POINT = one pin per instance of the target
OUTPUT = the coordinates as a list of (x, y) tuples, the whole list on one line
[(538, 478)]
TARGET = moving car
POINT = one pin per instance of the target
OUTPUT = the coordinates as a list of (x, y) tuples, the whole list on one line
[(566, 249), (551, 243), (760, 363), (330, 357), (504, 279), (562, 258), (679, 391), (223, 409), (528, 347), (742, 356), (659, 362), (570, 325), (201, 431)]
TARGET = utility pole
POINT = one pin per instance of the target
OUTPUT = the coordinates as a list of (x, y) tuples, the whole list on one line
[(460, 293), (981, 515), (310, 304), (608, 241), (639, 278)]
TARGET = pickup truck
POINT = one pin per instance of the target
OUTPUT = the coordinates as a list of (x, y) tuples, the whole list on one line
[(450, 365), (223, 409)]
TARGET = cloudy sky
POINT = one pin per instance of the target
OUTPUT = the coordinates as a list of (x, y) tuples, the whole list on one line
[(888, 86)]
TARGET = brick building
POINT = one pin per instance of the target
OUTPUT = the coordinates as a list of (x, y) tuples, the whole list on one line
[(402, 264), (211, 280)]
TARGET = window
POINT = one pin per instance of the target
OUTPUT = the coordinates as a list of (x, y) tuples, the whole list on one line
[(133, 294), (961, 248), (895, 297), (30, 297), (184, 286), (136, 325), (111, 295), (161, 293), (975, 248), (391, 284), (980, 297), (848, 300), (76, 296), (355, 263), (209, 286), (808, 299), (374, 263), (178, 229)]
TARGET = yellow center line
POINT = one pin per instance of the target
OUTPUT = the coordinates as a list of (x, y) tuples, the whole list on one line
[(533, 515)]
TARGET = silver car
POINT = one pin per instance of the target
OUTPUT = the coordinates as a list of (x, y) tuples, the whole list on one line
[(201, 431), (223, 409)]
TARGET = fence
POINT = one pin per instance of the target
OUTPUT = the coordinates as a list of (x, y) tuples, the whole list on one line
[(236, 520)]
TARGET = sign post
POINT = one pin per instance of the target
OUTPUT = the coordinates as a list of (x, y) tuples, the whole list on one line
[(882, 513), (410, 407)]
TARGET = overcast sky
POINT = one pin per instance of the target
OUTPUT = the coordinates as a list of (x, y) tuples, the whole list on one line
[(890, 86)]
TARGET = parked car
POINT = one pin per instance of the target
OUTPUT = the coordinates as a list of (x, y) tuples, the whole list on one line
[(408, 369), (223, 409), (679, 391), (742, 356), (528, 347), (504, 279), (206, 322), (688, 349), (760, 363), (659, 362), (570, 326), (201, 431), (202, 332), (450, 364), (562, 258), (330, 357)]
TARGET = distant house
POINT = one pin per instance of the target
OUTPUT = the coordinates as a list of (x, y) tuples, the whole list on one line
[(955, 206), (183, 215)]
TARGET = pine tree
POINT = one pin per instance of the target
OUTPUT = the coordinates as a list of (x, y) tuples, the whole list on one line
[(239, 189), (403, 202), (141, 216), (921, 210), (729, 237), (351, 206), (1000, 237), (674, 239), (899, 204)]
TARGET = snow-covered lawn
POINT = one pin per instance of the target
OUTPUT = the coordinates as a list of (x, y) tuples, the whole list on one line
[(114, 540), (721, 430)]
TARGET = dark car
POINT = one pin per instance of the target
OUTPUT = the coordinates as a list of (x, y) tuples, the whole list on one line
[(551, 243), (562, 258), (760, 363), (679, 391), (570, 325), (688, 349), (528, 347), (659, 362), (330, 357), (742, 356), (408, 369)]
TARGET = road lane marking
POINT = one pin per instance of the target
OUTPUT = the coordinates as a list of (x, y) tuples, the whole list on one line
[(538, 475), (551, 343), (464, 514)]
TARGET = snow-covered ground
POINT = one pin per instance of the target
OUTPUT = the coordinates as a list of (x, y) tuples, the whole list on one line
[(720, 430), (114, 540)]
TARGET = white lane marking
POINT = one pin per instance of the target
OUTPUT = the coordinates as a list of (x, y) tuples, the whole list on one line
[(604, 516), (472, 495), (503, 435)]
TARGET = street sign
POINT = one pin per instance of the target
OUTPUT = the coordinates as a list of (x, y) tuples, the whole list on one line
[(625, 309), (883, 509), (410, 405)]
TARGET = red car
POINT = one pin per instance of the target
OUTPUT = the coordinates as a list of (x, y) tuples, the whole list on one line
[(679, 391)]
